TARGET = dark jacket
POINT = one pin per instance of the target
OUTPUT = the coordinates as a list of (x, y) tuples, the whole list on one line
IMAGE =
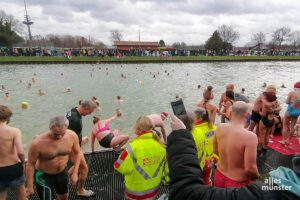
[(186, 176)]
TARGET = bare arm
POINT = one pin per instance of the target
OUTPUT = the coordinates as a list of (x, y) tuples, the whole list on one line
[(107, 121), (76, 152), (19, 146), (93, 142), (33, 155), (288, 99), (215, 143), (221, 102), (250, 157), (163, 131)]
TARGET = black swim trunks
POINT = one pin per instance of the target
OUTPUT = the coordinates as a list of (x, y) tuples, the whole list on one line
[(256, 117), (11, 177), (46, 183), (105, 142), (268, 123)]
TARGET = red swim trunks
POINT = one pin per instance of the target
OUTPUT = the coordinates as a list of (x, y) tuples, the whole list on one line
[(224, 182)]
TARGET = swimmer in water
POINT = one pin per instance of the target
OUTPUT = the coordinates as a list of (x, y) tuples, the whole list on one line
[(20, 81), (264, 85), (68, 90), (243, 91), (41, 92), (7, 96), (199, 86), (283, 86), (3, 87), (61, 74), (119, 100), (154, 76), (24, 105), (177, 98), (29, 85), (33, 80)]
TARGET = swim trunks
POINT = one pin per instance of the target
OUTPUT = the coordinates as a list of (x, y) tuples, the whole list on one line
[(256, 117), (295, 112), (224, 182), (105, 142), (267, 122), (75, 123), (11, 177), (45, 183)]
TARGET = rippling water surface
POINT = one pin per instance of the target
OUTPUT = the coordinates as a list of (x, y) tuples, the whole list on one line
[(153, 97)]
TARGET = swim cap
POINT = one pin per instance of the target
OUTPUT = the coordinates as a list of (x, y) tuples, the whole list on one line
[(24, 103), (163, 114), (271, 89), (297, 85)]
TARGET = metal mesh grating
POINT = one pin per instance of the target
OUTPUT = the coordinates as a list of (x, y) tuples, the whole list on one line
[(107, 183)]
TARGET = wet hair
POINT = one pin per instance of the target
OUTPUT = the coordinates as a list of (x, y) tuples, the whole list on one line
[(88, 104), (230, 94), (58, 121), (187, 120), (144, 124), (79, 102), (207, 94), (6, 92), (96, 119), (239, 108), (270, 96), (204, 115), (118, 97), (5, 113), (243, 89)]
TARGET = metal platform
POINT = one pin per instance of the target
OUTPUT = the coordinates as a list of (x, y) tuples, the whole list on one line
[(108, 184)]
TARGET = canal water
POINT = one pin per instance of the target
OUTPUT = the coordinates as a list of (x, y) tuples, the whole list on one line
[(142, 94)]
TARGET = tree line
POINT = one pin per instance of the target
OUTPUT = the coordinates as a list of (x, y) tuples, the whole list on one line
[(221, 40)]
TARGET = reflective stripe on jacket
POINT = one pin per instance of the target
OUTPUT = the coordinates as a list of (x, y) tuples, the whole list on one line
[(142, 163), (203, 136)]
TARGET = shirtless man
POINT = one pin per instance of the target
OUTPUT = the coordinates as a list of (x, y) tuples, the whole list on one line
[(158, 121), (236, 148), (229, 87), (290, 116), (12, 157), (256, 117), (48, 154)]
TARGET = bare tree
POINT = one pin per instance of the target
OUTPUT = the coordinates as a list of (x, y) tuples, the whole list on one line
[(259, 39), (280, 35), (116, 35), (294, 38), (227, 34)]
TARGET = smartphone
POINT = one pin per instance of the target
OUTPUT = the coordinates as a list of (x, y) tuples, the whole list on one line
[(178, 107)]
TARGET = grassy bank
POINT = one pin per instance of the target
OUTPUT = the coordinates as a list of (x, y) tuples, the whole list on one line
[(8, 60)]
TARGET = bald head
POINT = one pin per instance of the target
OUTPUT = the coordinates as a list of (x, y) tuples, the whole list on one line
[(229, 86), (239, 109)]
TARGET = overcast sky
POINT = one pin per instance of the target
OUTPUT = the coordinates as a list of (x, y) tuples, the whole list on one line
[(190, 21)]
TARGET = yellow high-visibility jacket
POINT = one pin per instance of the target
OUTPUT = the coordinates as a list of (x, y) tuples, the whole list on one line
[(203, 136), (142, 163)]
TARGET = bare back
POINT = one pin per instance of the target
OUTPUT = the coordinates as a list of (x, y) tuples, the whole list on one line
[(156, 120), (236, 148), (9, 137)]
